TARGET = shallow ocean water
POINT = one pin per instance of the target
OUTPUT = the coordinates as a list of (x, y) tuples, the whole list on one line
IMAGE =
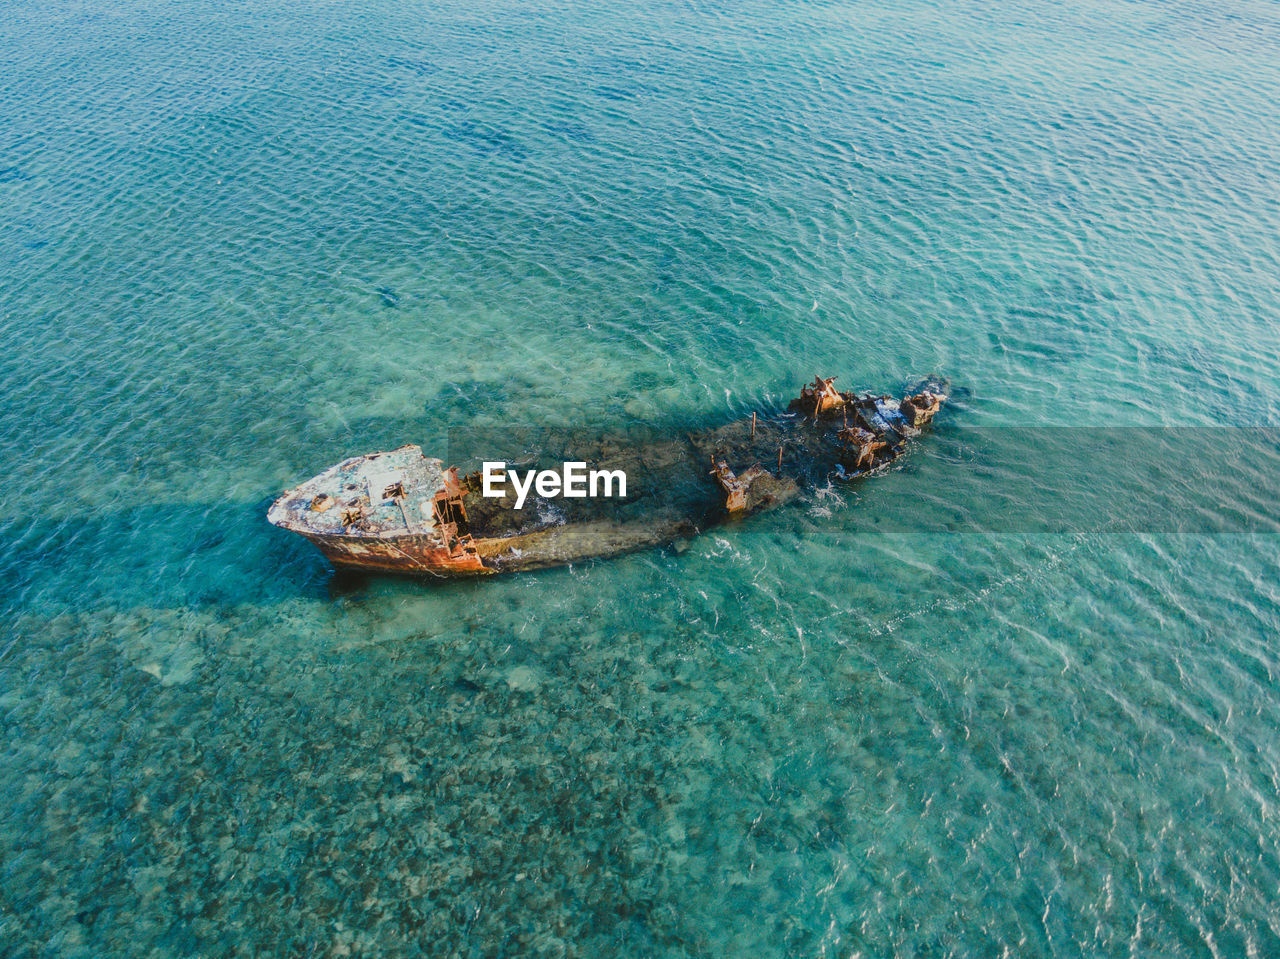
[(954, 711)]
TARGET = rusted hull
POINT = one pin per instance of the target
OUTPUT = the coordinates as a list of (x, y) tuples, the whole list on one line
[(414, 555), (560, 546), (401, 512)]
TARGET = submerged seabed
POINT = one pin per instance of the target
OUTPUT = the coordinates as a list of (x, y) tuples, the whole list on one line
[(940, 714)]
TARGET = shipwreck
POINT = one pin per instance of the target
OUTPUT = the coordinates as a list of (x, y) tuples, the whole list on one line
[(403, 512)]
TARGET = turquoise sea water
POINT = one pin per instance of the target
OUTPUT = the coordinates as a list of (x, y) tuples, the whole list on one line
[(242, 241)]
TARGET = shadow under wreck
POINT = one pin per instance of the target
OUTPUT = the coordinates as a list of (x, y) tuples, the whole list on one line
[(403, 512)]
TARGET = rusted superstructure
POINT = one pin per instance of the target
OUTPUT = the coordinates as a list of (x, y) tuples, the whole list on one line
[(403, 512)]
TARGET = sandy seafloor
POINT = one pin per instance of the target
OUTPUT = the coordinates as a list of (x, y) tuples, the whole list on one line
[(937, 715)]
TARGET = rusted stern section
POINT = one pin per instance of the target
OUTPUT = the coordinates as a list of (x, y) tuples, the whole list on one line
[(397, 511), (452, 526)]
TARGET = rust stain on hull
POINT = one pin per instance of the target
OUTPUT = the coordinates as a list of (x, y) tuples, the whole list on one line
[(408, 554)]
